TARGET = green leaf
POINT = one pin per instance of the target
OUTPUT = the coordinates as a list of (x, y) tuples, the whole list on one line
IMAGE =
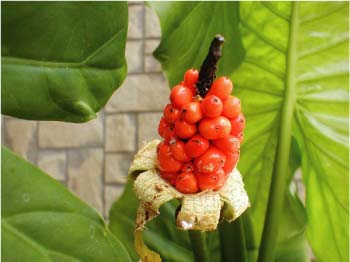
[(61, 60), (161, 234), (187, 31), (42, 221), (297, 60)]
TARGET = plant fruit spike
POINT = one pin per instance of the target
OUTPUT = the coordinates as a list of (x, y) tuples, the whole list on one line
[(202, 129)]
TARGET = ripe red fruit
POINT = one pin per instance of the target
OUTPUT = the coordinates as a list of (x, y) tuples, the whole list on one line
[(186, 183), (214, 128), (221, 87), (232, 107), (191, 77), (210, 161), (169, 177), (212, 181), (212, 106), (228, 144), (167, 163), (240, 137), (171, 114), (180, 96), (231, 162), (177, 149), (187, 167), (165, 130), (192, 112), (237, 125), (196, 146), (184, 129)]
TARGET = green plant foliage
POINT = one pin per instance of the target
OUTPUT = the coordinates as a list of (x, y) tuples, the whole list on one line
[(304, 70), (187, 30), (293, 84), (161, 234), (42, 221), (61, 60)]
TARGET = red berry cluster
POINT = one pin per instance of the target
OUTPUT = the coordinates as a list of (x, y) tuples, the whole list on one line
[(202, 136)]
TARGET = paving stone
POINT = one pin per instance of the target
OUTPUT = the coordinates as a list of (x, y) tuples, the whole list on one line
[(120, 133), (145, 92), (147, 127), (53, 163), (134, 56), (135, 27), (112, 193), (21, 137), (116, 167), (152, 28), (85, 175), (54, 134)]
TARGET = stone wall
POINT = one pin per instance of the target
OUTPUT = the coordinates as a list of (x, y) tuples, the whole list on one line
[(92, 159)]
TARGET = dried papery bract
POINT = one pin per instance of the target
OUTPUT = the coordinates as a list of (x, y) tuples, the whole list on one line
[(199, 211)]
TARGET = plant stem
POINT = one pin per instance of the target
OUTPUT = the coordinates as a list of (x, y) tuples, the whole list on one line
[(199, 246), (232, 241), (279, 176), (209, 67)]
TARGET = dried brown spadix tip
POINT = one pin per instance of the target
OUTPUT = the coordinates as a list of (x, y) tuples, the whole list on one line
[(200, 211), (207, 74)]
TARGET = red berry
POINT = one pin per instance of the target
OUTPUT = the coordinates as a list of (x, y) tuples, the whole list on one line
[(232, 107), (228, 144), (180, 96), (167, 163), (231, 162), (187, 167), (212, 181), (169, 177), (177, 149), (184, 129), (192, 112), (196, 146), (191, 77), (186, 183), (171, 114), (212, 106), (165, 130), (237, 125), (214, 128), (210, 161), (240, 137), (221, 87)]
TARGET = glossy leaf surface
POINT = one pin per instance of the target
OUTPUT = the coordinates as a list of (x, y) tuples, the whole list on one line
[(61, 60), (42, 221)]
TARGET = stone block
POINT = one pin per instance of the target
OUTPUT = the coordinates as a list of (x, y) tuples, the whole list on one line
[(152, 28), (85, 175), (135, 27), (53, 163), (120, 133), (112, 193), (21, 137), (116, 167), (152, 65), (148, 127), (146, 92), (134, 56), (151, 45), (54, 134)]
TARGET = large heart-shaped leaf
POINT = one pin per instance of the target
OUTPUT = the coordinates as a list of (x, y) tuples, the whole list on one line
[(61, 60), (295, 74), (187, 30), (293, 83), (42, 221)]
